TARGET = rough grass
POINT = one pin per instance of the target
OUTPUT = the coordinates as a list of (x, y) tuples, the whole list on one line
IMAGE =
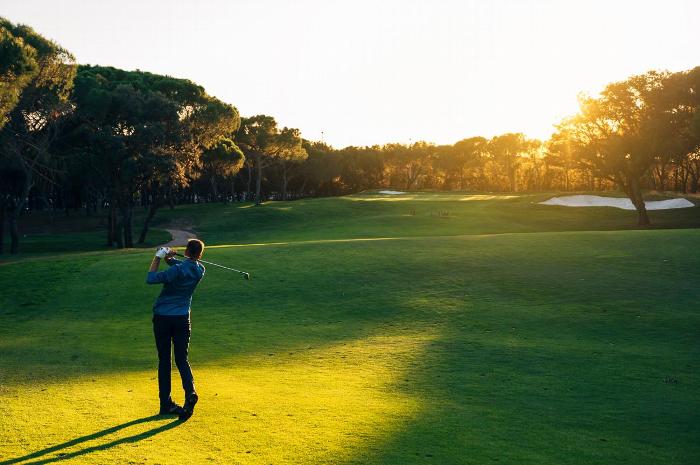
[(542, 348)]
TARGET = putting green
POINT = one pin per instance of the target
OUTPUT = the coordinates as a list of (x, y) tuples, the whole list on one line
[(537, 348)]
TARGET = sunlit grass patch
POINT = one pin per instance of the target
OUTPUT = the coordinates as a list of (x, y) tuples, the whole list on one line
[(314, 406), (372, 196)]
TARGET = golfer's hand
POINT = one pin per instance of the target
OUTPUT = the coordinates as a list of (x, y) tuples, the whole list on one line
[(171, 253), (162, 252)]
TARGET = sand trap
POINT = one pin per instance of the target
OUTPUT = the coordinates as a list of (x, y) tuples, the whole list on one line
[(616, 202), (391, 192)]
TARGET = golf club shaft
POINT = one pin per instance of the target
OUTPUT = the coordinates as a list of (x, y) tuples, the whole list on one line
[(216, 264)]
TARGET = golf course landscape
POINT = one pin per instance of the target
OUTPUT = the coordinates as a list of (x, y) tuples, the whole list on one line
[(422, 328)]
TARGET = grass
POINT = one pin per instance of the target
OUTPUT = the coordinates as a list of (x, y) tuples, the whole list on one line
[(370, 215), (439, 344), (79, 241), (45, 232)]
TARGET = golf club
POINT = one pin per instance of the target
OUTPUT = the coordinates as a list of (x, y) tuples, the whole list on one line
[(245, 275)]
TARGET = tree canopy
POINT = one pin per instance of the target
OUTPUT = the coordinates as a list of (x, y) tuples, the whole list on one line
[(148, 132), (107, 140)]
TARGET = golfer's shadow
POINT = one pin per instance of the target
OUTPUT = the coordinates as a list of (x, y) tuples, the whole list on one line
[(107, 445)]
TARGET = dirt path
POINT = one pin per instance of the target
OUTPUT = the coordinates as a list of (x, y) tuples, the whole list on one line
[(180, 237)]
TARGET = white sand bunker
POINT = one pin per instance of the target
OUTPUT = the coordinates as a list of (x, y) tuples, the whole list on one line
[(391, 192), (617, 202)]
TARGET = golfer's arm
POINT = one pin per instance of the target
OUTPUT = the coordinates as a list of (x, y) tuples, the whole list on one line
[(161, 277), (154, 264)]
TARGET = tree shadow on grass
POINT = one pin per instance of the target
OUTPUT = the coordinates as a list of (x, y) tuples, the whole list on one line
[(544, 396), (87, 450)]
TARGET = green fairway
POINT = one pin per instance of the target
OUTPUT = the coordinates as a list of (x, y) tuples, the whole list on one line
[(370, 215), (466, 329)]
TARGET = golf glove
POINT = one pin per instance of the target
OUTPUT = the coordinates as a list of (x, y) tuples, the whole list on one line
[(162, 252)]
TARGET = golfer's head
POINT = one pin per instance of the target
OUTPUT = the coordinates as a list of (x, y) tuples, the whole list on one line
[(194, 249)]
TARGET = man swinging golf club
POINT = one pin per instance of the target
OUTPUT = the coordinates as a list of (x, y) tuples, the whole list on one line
[(171, 321)]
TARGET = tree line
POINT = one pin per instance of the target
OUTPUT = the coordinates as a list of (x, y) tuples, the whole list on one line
[(107, 141)]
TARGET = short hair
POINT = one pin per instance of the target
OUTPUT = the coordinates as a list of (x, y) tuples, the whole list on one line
[(194, 249)]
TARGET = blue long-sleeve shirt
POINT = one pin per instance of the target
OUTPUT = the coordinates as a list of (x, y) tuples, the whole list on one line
[(179, 282)]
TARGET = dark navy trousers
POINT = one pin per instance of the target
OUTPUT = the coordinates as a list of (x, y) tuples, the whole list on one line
[(173, 331)]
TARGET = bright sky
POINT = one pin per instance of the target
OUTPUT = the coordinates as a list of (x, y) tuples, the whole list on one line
[(371, 72)]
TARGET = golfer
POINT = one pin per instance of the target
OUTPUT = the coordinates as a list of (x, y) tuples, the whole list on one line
[(171, 321)]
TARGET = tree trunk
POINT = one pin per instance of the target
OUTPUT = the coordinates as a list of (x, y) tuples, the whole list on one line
[(660, 172), (14, 231), (2, 226), (14, 222), (118, 234), (412, 173), (214, 190), (128, 227), (686, 175), (151, 213), (675, 180), (511, 175), (284, 181), (111, 224), (694, 178), (119, 229), (14, 216), (258, 180), (635, 195), (88, 206), (250, 178)]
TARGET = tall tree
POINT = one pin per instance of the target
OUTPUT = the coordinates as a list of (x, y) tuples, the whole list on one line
[(263, 143), (359, 168), (621, 133), (34, 122), (18, 65), (148, 132), (289, 153), (681, 99), (320, 169), (466, 154), (559, 153), (506, 151), (221, 161), (410, 163), (256, 137)]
